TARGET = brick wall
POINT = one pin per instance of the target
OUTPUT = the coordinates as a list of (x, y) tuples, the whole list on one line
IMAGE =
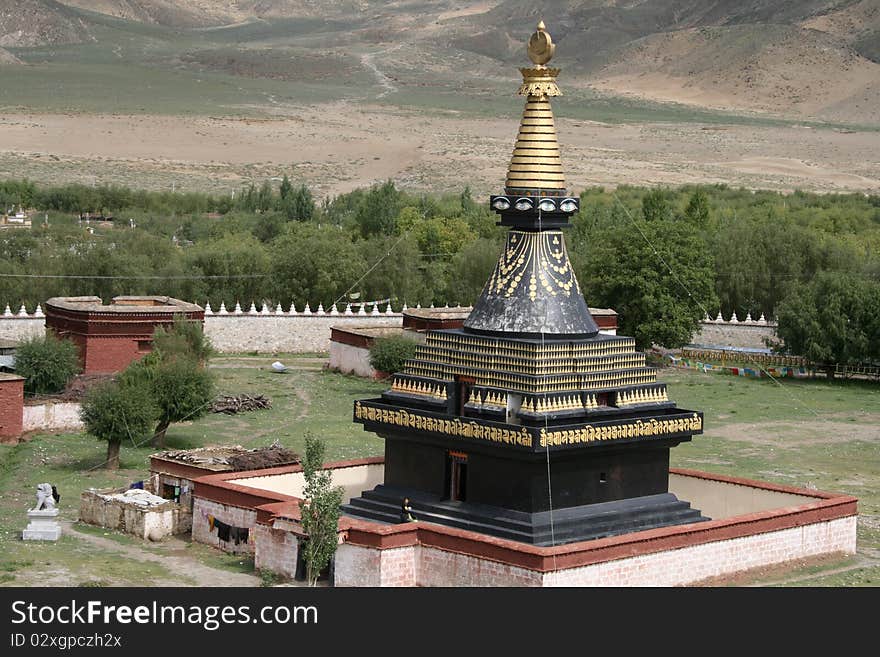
[(108, 354), (11, 407), (429, 566), (231, 515), (276, 550)]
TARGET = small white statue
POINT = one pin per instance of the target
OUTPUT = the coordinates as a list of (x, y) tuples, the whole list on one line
[(47, 497)]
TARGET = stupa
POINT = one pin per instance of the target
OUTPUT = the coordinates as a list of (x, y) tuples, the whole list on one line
[(528, 423)]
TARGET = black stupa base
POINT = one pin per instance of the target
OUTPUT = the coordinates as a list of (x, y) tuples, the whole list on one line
[(571, 524)]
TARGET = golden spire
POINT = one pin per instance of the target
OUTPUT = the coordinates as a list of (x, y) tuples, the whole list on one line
[(535, 167)]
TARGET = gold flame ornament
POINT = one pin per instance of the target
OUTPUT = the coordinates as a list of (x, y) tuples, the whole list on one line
[(541, 46)]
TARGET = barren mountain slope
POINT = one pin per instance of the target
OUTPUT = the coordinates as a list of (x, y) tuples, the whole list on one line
[(173, 13), (7, 57), (764, 68), (38, 22), (189, 13)]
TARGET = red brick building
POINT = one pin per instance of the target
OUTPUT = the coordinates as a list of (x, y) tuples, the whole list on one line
[(109, 337), (11, 407)]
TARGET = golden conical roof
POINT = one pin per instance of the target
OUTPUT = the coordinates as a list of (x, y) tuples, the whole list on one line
[(536, 167)]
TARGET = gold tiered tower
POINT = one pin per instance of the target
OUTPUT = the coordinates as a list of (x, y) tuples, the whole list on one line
[(528, 423), (536, 167)]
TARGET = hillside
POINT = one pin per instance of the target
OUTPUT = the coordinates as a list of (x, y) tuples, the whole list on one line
[(26, 23), (197, 13), (759, 68), (7, 57), (795, 58)]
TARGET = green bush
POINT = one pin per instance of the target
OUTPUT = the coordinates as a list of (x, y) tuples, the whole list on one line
[(46, 363), (389, 354)]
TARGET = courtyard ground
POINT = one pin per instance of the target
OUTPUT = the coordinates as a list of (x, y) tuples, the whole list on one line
[(814, 434)]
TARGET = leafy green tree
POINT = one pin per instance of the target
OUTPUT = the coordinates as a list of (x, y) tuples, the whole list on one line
[(390, 353), (656, 205), (298, 205), (285, 188), (471, 268), (47, 363), (314, 265), (117, 412), (697, 210), (184, 339), (835, 319), (620, 268), (238, 264), (319, 510), (377, 212), (397, 270), (265, 197)]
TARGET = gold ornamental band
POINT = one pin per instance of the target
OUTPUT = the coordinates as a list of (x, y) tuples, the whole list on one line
[(540, 167), (527, 137), (544, 161), (538, 130), (453, 427), (537, 152), (637, 429), (542, 177)]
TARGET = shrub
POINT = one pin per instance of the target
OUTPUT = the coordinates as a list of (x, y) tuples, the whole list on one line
[(46, 363), (389, 354)]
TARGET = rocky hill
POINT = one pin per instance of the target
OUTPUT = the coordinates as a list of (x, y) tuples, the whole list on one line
[(26, 23), (7, 57)]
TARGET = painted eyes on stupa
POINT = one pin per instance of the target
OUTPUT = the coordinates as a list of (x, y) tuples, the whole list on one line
[(501, 203), (523, 204), (547, 205), (568, 205)]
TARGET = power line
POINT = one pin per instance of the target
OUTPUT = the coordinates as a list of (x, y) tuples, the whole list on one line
[(133, 278)]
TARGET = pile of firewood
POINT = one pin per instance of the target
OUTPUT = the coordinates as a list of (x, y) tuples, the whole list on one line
[(240, 404)]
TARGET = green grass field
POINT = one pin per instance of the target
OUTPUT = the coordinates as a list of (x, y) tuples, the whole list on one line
[(801, 433)]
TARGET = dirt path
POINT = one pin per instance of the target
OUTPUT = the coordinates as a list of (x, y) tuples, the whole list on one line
[(190, 570), (384, 81)]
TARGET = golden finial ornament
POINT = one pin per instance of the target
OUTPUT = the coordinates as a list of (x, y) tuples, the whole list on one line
[(541, 46)]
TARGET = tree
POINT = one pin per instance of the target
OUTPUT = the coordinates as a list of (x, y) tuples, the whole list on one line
[(175, 375), (319, 510), (835, 319), (285, 188), (184, 339), (618, 267), (697, 210), (313, 265), (471, 268), (47, 363), (656, 206), (116, 411), (377, 212), (389, 354), (298, 205), (183, 390)]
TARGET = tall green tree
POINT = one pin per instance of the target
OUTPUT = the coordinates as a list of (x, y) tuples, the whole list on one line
[(319, 510), (377, 212), (658, 279), (834, 319), (314, 265), (117, 412)]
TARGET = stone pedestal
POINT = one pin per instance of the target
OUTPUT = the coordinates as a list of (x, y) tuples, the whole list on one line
[(42, 526)]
